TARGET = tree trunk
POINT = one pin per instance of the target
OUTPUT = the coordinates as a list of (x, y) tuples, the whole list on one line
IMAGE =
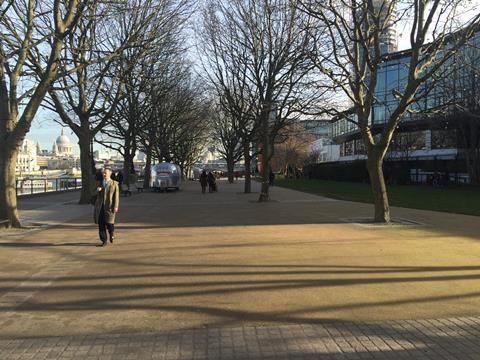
[(148, 169), (379, 189), (264, 192), (88, 179), (230, 168), (8, 195), (127, 166), (247, 158)]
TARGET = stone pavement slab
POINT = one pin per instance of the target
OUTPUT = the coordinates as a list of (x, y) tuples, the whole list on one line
[(188, 266), (51, 209), (444, 339)]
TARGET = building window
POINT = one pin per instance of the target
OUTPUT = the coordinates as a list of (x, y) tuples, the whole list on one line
[(349, 148), (360, 147), (444, 139), (408, 141), (378, 114)]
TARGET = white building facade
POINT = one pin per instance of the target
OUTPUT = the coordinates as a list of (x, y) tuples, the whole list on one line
[(27, 157)]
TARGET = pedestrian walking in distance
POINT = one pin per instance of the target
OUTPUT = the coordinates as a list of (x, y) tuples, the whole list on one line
[(203, 181), (106, 206), (211, 182)]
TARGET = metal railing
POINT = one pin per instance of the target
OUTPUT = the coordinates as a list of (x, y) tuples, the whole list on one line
[(38, 185)]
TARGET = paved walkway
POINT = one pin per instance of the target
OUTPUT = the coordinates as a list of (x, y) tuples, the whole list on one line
[(220, 276), (421, 340)]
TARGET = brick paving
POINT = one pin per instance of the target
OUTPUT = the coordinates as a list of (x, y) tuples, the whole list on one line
[(455, 338)]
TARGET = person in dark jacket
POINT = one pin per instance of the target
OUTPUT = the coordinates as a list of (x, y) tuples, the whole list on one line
[(211, 182), (99, 176), (203, 181)]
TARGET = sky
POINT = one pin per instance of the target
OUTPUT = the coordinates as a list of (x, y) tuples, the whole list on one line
[(464, 14), (45, 130)]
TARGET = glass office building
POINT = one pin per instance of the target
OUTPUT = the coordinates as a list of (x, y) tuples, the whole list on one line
[(428, 130)]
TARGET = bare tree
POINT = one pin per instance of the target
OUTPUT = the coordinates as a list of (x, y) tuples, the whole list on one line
[(175, 124), (130, 117), (352, 51), (96, 62), (225, 131), (292, 149), (121, 130), (163, 76), (30, 31), (270, 39), (182, 120), (226, 71)]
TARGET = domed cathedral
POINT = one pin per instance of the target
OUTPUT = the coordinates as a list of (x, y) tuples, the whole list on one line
[(62, 146)]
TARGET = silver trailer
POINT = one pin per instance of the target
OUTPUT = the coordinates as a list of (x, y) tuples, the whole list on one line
[(165, 176)]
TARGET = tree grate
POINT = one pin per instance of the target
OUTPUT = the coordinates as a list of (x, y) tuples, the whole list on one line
[(368, 222)]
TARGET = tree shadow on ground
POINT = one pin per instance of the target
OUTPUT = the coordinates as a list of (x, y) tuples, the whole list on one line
[(24, 244), (292, 337), (257, 270), (149, 291), (155, 292), (184, 210)]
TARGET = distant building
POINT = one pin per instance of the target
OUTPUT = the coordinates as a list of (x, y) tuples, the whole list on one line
[(106, 154), (211, 158), (325, 150), (63, 163), (424, 136), (62, 146), (322, 147), (60, 158), (27, 157), (318, 128), (388, 38), (42, 162)]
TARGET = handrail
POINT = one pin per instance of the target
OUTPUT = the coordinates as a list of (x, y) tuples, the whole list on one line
[(38, 185)]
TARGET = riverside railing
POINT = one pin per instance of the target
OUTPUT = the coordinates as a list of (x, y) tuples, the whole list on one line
[(37, 185)]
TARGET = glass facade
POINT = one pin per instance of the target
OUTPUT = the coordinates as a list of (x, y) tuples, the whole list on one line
[(408, 141), (443, 139), (317, 128), (402, 142), (453, 84)]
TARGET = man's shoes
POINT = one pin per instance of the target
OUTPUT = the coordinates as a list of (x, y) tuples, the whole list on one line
[(111, 239), (104, 243)]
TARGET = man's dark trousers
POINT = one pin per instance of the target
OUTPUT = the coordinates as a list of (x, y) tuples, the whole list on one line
[(103, 226)]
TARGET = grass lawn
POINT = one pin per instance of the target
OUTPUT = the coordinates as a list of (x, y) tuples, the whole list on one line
[(455, 200)]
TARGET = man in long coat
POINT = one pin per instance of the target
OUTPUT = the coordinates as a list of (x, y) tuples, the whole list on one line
[(106, 206)]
